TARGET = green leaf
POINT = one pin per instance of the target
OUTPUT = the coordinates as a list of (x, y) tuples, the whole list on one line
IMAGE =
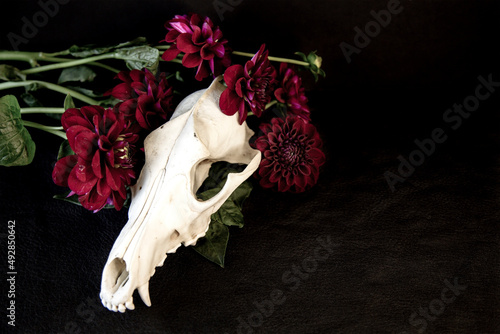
[(78, 73), (229, 214), (213, 245), (109, 102), (140, 57), (30, 100), (68, 102), (10, 73), (64, 150), (16, 146), (71, 199), (84, 91), (93, 50), (315, 62)]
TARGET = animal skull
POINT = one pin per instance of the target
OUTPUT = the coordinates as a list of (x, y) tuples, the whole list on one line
[(164, 212)]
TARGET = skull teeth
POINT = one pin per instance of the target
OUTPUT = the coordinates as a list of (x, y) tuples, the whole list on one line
[(144, 293)]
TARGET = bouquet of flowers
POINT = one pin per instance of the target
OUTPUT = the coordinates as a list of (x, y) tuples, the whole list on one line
[(105, 134)]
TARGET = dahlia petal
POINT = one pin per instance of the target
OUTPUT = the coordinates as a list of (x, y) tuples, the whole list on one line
[(122, 91), (84, 170), (182, 27), (137, 75), (317, 155), (127, 108), (206, 31), (300, 183), (78, 186), (242, 113), (97, 167), (229, 102), (122, 191), (84, 145), (191, 60), (124, 76), (76, 120), (262, 145), (219, 50), (103, 188), (264, 183), (93, 201), (112, 178), (139, 88), (115, 130), (280, 95), (62, 169), (91, 112), (185, 44), (172, 35), (72, 132), (73, 116), (202, 72), (304, 170), (232, 75), (206, 53), (171, 53), (104, 144), (110, 158)]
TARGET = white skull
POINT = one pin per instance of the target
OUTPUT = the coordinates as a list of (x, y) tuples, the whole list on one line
[(164, 212)]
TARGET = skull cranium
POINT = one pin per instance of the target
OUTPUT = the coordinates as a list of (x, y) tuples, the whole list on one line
[(164, 212)]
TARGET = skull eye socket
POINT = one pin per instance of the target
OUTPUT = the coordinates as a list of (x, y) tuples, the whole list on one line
[(211, 176)]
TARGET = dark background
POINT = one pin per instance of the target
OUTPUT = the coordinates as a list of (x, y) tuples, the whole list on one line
[(394, 250)]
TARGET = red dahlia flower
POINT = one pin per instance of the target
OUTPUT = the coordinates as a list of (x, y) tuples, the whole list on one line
[(292, 155), (249, 88), (292, 93), (146, 99), (102, 164), (201, 42)]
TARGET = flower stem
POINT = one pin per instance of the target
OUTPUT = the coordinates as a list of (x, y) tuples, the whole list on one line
[(278, 59), (70, 63), (51, 86), (42, 110), (270, 104), (107, 67), (175, 60), (162, 47), (50, 129), (32, 57)]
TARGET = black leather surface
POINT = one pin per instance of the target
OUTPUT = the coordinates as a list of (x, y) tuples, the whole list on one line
[(421, 259)]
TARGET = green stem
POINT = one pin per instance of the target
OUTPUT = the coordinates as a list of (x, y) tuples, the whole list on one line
[(51, 86), (42, 110), (270, 104), (175, 60), (32, 58), (70, 63), (107, 67), (162, 47), (278, 59), (50, 129)]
